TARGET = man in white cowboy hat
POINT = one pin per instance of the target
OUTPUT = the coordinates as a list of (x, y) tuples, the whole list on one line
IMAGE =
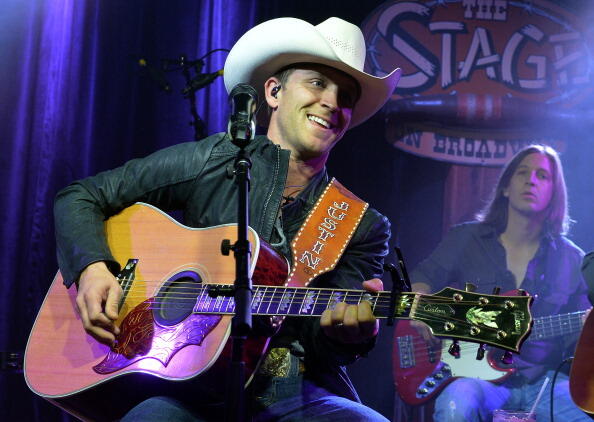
[(312, 80)]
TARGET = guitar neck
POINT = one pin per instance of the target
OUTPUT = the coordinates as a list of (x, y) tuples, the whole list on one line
[(298, 301), (502, 321), (557, 325)]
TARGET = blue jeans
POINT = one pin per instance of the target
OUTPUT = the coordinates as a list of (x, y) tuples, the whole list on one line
[(473, 400), (284, 399)]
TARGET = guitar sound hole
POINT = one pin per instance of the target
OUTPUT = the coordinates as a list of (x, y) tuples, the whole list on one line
[(176, 298)]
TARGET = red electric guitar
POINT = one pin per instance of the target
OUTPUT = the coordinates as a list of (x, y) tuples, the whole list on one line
[(176, 312), (421, 371)]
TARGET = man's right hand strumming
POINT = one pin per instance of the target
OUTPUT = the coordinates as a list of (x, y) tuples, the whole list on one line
[(97, 301)]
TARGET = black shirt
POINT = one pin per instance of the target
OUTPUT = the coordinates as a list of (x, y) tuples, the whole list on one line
[(471, 252)]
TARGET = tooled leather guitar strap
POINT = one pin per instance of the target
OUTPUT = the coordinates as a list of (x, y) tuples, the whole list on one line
[(327, 230), (316, 249)]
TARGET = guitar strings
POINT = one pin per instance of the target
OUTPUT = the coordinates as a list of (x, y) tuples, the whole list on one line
[(461, 323), (421, 348), (299, 293), (200, 285), (296, 295), (191, 288), (573, 324), (378, 306), (420, 342), (423, 357)]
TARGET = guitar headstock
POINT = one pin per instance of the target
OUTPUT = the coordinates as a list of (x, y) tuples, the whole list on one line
[(501, 321)]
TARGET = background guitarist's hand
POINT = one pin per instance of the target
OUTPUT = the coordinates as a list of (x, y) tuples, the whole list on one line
[(352, 324), (97, 301)]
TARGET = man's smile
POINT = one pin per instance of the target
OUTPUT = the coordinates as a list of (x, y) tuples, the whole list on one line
[(320, 121)]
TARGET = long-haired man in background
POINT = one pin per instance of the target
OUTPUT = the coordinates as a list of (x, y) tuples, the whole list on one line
[(517, 242)]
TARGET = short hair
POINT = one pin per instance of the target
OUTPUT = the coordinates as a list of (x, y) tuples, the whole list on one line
[(283, 76), (557, 220)]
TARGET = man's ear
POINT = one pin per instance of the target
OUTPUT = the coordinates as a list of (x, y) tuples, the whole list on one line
[(505, 192), (269, 85)]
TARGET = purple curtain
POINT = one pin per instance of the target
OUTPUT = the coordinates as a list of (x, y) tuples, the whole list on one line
[(72, 95), (74, 101)]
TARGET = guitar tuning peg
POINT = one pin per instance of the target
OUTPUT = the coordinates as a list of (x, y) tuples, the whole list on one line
[(470, 287), (480, 353), (507, 358), (496, 290), (454, 349)]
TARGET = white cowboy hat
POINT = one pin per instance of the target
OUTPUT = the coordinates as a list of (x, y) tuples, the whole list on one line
[(270, 46)]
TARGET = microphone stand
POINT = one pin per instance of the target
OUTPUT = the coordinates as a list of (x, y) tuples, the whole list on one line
[(189, 92), (242, 320), (197, 123)]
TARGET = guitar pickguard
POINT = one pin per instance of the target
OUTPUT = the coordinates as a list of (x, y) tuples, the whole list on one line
[(141, 338)]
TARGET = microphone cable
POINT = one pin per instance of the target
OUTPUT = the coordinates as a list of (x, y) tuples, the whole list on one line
[(567, 360)]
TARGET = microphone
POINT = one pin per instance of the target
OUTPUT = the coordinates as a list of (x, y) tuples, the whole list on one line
[(157, 75), (242, 124), (201, 81)]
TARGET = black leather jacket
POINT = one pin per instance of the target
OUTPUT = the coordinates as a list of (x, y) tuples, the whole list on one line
[(193, 177)]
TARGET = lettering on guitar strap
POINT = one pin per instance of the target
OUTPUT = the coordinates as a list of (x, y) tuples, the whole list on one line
[(323, 237)]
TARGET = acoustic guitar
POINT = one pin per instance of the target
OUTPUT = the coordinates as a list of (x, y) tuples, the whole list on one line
[(176, 312)]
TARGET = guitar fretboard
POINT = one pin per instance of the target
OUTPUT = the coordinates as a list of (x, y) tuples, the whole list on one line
[(557, 325), (295, 301), (449, 312)]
